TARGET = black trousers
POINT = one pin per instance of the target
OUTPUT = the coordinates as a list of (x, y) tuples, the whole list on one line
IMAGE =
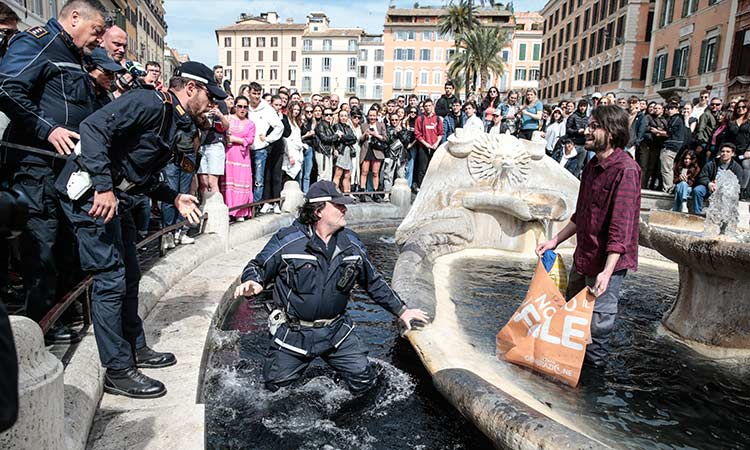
[(422, 162), (48, 243), (273, 178), (108, 251)]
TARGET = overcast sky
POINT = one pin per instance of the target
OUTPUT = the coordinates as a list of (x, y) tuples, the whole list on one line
[(192, 22)]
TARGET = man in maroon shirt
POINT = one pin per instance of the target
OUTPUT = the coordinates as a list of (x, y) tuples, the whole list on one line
[(428, 131), (605, 223)]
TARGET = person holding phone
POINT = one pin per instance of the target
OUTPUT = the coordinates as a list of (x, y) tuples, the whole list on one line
[(686, 171)]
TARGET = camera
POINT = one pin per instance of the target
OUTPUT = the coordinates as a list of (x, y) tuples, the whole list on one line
[(132, 78)]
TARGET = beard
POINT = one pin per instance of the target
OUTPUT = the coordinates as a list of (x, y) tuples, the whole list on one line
[(193, 109), (599, 143)]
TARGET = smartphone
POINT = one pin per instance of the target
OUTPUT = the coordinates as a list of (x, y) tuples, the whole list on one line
[(683, 172)]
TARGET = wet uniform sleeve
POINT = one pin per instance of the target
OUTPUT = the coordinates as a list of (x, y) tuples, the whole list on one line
[(22, 71), (265, 266), (99, 131), (373, 282)]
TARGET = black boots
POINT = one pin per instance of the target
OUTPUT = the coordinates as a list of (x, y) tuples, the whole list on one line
[(147, 358), (61, 334), (132, 383)]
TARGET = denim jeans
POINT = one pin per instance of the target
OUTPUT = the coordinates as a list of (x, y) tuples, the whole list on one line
[(180, 181), (307, 164), (259, 169), (681, 193), (700, 193), (410, 165)]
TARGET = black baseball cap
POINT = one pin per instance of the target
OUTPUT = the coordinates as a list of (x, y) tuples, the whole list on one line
[(100, 59), (325, 191), (196, 71)]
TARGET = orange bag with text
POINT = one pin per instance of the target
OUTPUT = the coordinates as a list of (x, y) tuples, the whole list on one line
[(546, 333)]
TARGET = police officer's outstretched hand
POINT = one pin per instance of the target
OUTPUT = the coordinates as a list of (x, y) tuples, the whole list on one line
[(413, 314), (187, 205), (62, 139), (248, 289), (105, 205)]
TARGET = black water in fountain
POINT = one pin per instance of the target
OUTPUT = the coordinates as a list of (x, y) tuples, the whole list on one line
[(405, 411)]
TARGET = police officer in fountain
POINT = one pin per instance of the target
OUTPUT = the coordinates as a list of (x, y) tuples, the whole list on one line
[(123, 148), (314, 264)]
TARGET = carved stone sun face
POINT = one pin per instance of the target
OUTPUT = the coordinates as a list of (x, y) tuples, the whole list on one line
[(501, 161)]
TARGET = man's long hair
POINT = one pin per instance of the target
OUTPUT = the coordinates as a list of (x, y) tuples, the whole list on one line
[(615, 121), (308, 212)]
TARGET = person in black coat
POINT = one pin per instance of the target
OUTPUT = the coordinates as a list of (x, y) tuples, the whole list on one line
[(344, 152), (327, 139), (705, 185)]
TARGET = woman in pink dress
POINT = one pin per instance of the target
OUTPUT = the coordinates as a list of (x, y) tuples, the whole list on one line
[(237, 182)]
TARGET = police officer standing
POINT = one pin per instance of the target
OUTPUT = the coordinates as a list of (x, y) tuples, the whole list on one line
[(124, 147), (314, 264), (46, 93)]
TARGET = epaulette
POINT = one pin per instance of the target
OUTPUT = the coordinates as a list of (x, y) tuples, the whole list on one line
[(38, 32)]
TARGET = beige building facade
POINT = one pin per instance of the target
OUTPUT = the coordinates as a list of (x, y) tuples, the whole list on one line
[(263, 49), (524, 58), (595, 46), (690, 48)]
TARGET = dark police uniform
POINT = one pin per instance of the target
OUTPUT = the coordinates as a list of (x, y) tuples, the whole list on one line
[(124, 146), (306, 275), (43, 85)]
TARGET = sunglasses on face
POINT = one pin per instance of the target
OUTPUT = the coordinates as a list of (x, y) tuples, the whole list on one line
[(328, 114), (240, 106), (742, 107), (308, 111), (715, 104)]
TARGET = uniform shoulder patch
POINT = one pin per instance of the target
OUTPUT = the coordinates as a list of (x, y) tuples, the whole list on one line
[(38, 32), (179, 109)]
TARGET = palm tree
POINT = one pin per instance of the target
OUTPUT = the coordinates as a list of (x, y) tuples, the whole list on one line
[(459, 18), (481, 54)]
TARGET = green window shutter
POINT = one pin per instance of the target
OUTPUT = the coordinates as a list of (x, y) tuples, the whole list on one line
[(676, 63), (522, 52), (537, 51), (715, 55), (685, 8), (702, 63)]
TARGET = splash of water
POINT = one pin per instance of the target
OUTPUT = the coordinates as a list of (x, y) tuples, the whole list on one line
[(722, 216)]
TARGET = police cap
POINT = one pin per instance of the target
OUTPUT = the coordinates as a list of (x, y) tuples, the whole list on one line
[(325, 191), (196, 71), (100, 58)]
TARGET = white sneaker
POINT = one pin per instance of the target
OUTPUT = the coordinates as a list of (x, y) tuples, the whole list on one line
[(240, 219), (276, 209), (183, 239), (684, 207), (266, 208)]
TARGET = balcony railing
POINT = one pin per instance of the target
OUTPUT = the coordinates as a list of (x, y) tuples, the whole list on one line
[(678, 82)]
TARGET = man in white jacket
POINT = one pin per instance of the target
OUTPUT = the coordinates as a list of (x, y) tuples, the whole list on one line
[(268, 129)]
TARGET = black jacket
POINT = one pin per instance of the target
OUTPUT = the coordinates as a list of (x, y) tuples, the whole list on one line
[(739, 135), (443, 105), (576, 121), (327, 138), (130, 139), (43, 86), (676, 133), (711, 169), (637, 129)]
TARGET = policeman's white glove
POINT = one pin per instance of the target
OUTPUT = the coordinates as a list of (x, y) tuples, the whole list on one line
[(105, 205), (62, 139), (187, 205), (248, 289), (413, 314)]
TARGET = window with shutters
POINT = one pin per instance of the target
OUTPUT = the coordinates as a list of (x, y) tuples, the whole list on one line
[(522, 52), (667, 13), (351, 64), (408, 79), (246, 42), (306, 84), (274, 41), (245, 74), (379, 55), (378, 72), (306, 64), (327, 45), (227, 42), (423, 77), (521, 74), (424, 54), (709, 54), (397, 79), (260, 42), (292, 77), (437, 78), (351, 84), (660, 68), (258, 74), (740, 54), (363, 71), (352, 47), (681, 60), (307, 45), (377, 92), (326, 67), (534, 75), (536, 52), (273, 74), (325, 84), (689, 7)]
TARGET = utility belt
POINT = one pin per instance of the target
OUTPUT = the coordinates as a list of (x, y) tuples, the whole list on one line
[(277, 317)]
